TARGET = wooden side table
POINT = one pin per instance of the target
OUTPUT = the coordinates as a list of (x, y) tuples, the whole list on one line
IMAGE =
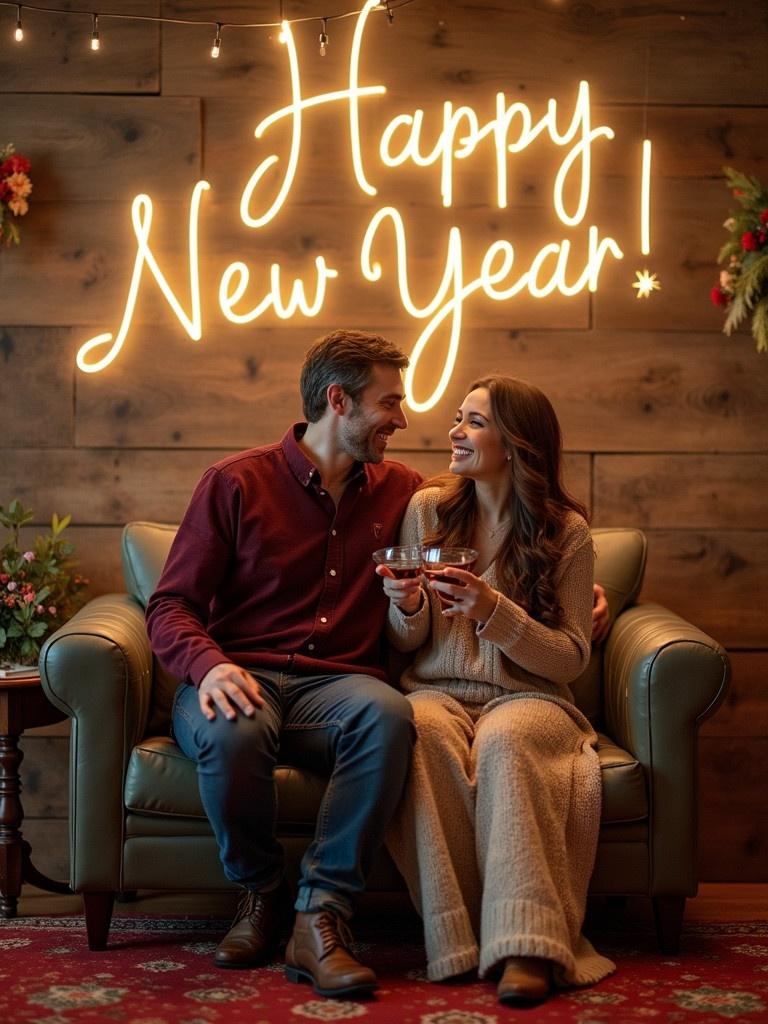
[(23, 705)]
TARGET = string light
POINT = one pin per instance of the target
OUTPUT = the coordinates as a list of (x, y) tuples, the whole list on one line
[(390, 6)]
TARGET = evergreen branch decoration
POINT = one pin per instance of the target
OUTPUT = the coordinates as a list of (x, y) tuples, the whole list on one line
[(743, 287)]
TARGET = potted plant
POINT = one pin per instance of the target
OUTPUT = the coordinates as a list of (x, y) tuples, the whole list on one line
[(39, 589)]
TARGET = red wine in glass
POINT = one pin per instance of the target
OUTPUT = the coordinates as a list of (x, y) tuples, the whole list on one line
[(436, 563), (403, 561)]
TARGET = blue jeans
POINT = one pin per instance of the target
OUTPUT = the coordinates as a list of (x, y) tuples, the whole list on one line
[(354, 728)]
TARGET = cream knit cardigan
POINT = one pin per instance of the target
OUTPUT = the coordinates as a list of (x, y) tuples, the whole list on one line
[(497, 831)]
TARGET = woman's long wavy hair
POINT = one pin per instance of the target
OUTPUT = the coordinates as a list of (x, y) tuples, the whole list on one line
[(532, 547)]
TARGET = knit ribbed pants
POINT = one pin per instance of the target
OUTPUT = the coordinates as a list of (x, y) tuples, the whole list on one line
[(497, 832)]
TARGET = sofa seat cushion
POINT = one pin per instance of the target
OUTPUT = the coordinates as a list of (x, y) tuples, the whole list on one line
[(625, 796), (162, 781)]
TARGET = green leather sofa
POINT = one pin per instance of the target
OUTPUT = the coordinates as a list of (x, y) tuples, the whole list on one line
[(136, 821)]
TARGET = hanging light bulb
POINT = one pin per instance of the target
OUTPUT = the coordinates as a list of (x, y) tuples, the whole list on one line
[(95, 41), (390, 13), (216, 48), (324, 37), (18, 35)]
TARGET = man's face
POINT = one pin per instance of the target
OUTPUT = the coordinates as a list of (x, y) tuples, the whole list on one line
[(373, 419)]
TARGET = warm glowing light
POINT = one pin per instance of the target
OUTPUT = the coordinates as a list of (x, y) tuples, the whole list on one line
[(216, 48), (230, 294), (294, 111), (565, 265), (646, 283), (95, 41), (453, 290), (645, 200), (141, 216), (18, 34)]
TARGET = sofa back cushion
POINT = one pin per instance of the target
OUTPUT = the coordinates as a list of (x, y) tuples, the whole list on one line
[(619, 567), (144, 549)]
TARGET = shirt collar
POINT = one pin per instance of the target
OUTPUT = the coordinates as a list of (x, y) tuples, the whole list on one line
[(305, 471)]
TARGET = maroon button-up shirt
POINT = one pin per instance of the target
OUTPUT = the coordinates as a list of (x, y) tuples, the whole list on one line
[(266, 570)]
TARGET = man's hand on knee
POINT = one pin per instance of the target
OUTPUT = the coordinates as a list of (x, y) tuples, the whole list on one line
[(230, 689)]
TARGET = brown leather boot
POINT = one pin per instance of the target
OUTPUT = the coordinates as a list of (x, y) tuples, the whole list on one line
[(526, 980), (318, 952), (259, 926)]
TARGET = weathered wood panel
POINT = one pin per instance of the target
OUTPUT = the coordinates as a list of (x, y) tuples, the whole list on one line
[(88, 262), (682, 491), (36, 391), (733, 809), (716, 579), (44, 776), (49, 838), (463, 50), (744, 712), (55, 54), (688, 142), (613, 392), (107, 486), (89, 148), (102, 487)]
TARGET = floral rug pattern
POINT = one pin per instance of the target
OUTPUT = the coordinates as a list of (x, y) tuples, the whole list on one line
[(161, 972)]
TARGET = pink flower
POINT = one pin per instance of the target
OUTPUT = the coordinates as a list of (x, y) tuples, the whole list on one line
[(40, 609), (28, 556), (12, 586), (29, 597), (51, 609)]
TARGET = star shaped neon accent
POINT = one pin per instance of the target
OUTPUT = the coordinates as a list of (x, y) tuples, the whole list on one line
[(646, 283)]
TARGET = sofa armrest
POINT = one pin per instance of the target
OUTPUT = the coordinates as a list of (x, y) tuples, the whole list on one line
[(98, 670), (662, 678)]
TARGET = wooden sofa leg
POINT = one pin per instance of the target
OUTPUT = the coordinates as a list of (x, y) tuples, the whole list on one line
[(668, 912), (98, 917)]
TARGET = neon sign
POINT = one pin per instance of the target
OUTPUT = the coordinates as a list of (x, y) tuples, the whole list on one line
[(511, 130)]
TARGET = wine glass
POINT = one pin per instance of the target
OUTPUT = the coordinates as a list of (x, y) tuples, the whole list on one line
[(436, 563), (403, 561)]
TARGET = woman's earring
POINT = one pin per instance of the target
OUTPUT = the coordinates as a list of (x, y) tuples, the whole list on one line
[(509, 458)]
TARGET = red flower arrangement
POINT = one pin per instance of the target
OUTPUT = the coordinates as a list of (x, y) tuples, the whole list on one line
[(743, 287), (15, 187)]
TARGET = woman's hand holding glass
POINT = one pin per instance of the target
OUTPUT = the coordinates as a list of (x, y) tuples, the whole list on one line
[(469, 595)]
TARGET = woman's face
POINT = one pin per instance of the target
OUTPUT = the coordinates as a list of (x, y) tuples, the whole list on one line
[(477, 448)]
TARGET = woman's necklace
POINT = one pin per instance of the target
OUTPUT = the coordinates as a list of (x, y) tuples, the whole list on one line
[(493, 531)]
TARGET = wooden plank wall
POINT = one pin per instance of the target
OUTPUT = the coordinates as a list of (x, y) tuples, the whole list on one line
[(665, 419)]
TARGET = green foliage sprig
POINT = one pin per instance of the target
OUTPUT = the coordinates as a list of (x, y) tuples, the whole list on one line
[(39, 589), (743, 287)]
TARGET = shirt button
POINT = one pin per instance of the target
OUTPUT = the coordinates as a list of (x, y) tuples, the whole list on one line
[(311, 647), (333, 572), (333, 533), (323, 618), (321, 491)]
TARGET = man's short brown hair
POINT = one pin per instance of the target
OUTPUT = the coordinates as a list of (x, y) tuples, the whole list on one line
[(346, 358)]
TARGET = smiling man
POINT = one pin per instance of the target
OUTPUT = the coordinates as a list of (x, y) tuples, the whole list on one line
[(269, 612)]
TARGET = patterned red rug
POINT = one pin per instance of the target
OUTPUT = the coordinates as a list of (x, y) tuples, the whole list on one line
[(160, 972)]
